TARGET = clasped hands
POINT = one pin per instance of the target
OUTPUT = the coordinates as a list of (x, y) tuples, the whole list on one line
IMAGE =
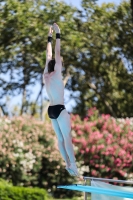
[(55, 28)]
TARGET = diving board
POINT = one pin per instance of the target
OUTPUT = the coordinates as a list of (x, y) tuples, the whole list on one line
[(107, 180), (97, 190)]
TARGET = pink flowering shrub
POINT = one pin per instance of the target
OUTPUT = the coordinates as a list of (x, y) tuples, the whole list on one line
[(104, 144), (29, 154)]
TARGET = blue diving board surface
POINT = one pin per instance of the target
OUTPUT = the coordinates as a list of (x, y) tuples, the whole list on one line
[(97, 190)]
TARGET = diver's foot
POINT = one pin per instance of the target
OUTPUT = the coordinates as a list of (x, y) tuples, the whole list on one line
[(74, 169), (70, 171), (67, 164)]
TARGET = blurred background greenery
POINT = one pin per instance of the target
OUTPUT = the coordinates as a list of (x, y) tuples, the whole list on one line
[(96, 46)]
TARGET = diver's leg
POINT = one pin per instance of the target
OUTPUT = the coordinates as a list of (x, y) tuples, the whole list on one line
[(60, 139), (65, 127)]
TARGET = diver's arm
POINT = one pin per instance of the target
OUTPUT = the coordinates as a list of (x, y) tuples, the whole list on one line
[(57, 44), (48, 50)]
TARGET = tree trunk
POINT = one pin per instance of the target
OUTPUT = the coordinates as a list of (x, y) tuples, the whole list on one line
[(23, 100), (132, 9)]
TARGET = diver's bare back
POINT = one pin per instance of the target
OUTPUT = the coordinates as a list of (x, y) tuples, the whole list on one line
[(54, 86)]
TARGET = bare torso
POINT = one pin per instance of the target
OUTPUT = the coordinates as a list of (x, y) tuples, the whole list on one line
[(54, 87)]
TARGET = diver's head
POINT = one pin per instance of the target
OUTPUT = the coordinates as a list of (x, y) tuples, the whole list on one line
[(51, 65)]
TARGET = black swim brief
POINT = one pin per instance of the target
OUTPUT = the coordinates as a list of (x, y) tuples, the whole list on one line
[(54, 111)]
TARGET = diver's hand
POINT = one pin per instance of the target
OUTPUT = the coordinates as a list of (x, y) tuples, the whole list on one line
[(56, 28), (50, 31)]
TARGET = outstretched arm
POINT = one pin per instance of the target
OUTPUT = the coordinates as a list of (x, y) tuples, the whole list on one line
[(57, 44), (48, 50)]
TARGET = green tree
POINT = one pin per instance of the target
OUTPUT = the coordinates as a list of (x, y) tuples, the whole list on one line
[(104, 72), (23, 28), (96, 47)]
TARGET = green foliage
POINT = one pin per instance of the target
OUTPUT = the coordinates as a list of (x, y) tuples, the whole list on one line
[(24, 28), (96, 47), (21, 193), (4, 183), (104, 72)]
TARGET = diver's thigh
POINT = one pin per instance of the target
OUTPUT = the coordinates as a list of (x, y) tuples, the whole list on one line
[(57, 129), (64, 122)]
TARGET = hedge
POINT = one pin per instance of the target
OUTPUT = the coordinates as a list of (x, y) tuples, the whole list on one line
[(10, 192), (21, 193)]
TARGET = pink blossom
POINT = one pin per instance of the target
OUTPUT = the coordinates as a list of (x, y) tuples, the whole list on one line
[(80, 132), (99, 147), (91, 161), (110, 149), (127, 122), (108, 169), (128, 158), (97, 135), (97, 165), (86, 119), (94, 173), (87, 150), (104, 127), (83, 142), (105, 117), (91, 111), (108, 141), (130, 133), (72, 125), (82, 151), (91, 124), (102, 166), (122, 172), (117, 129), (110, 136), (96, 157), (93, 148), (118, 162), (122, 141), (87, 127), (122, 152), (74, 140)]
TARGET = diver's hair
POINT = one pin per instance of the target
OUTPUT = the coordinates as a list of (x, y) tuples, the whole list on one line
[(51, 65)]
